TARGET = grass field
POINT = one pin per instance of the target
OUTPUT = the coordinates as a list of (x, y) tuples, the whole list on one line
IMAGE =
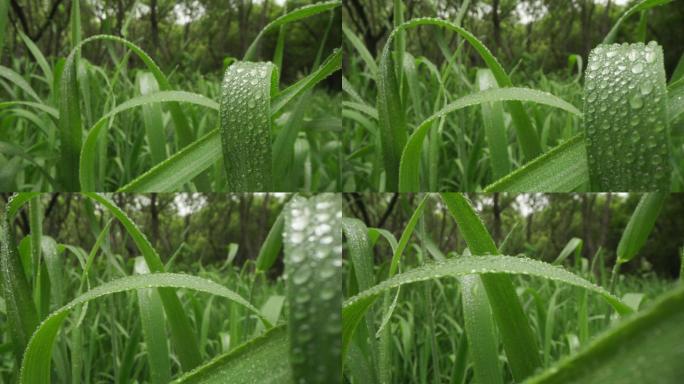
[(68, 124), (461, 119), (418, 313), (115, 310)]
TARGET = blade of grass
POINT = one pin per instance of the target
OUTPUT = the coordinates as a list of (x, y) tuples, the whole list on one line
[(409, 167), (20, 310), (645, 348), (312, 239), (627, 134), (562, 169), (516, 333), (35, 368)]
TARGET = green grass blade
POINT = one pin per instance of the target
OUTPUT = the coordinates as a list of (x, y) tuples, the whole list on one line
[(638, 7), (495, 128), (312, 238), (87, 171), (644, 348), (640, 225), (516, 333), (562, 169), (627, 133), (479, 326), (271, 247), (70, 116), (36, 365), (355, 307), (246, 125), (393, 125), (409, 179), (20, 310), (361, 50), (179, 169), (38, 55), (183, 336), (262, 360), (45, 108), (290, 17), (154, 331), (331, 64), (19, 81), (152, 118)]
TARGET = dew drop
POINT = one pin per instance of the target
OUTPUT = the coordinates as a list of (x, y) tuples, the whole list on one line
[(637, 68), (636, 101)]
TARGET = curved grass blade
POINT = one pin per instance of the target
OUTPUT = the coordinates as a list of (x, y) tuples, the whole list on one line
[(517, 336), (70, 116), (87, 172), (627, 134), (38, 55), (272, 245), (361, 50), (182, 333), (45, 108), (262, 360), (290, 17), (562, 169), (312, 239), (640, 226), (645, 348), (391, 114), (355, 307), (409, 167), (19, 81), (35, 368), (641, 6)]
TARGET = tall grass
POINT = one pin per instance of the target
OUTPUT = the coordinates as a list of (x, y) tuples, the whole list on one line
[(68, 319), (504, 318), (72, 129), (413, 128)]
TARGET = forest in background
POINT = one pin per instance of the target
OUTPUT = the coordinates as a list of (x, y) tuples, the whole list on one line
[(528, 34), (194, 227), (185, 35), (539, 225)]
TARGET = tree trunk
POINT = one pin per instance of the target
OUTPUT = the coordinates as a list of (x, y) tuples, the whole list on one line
[(154, 24)]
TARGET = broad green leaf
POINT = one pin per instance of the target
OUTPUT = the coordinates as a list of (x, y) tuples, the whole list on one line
[(409, 180), (35, 368), (640, 225), (627, 133), (262, 360), (246, 125), (562, 169), (644, 348), (312, 238)]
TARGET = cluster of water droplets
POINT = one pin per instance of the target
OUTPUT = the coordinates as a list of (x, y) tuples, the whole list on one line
[(245, 125), (313, 248), (625, 117)]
